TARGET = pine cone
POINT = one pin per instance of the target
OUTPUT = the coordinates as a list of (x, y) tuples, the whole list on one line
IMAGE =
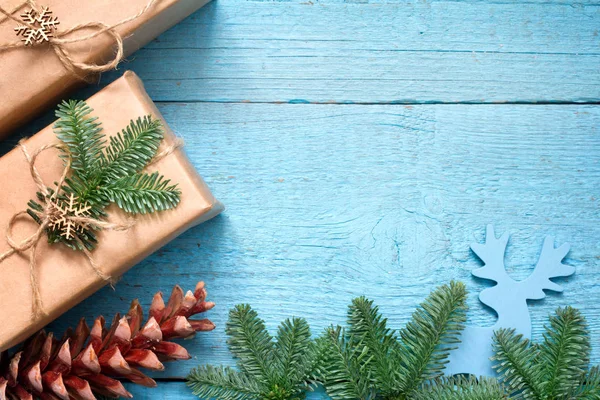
[(85, 362)]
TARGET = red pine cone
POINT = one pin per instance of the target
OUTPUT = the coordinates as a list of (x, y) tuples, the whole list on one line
[(86, 361)]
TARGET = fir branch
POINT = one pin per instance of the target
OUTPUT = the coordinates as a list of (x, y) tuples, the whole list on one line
[(371, 361), (431, 334), (369, 328), (294, 353), (319, 356), (271, 370), (82, 136), (351, 363), (555, 369), (516, 364), (347, 375), (101, 175), (251, 343), (588, 387), (131, 150), (142, 193), (223, 383), (461, 388), (564, 354)]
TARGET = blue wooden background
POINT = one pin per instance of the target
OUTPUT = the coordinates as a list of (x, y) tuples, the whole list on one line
[(361, 146)]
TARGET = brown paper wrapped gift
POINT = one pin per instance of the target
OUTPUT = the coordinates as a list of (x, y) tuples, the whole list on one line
[(65, 276), (33, 78)]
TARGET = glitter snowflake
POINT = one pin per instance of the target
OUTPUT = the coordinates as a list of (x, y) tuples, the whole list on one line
[(60, 217), (38, 26)]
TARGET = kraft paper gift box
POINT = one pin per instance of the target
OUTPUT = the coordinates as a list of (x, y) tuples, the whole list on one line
[(33, 78), (65, 276)]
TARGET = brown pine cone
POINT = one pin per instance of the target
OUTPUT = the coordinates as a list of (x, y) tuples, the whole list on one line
[(86, 362)]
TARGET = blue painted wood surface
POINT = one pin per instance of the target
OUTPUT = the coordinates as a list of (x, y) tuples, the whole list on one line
[(380, 190)]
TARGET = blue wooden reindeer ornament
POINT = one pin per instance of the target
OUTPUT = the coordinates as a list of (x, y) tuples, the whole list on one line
[(508, 298)]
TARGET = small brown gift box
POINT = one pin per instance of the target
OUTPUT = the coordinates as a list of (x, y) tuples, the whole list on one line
[(33, 78), (65, 276)]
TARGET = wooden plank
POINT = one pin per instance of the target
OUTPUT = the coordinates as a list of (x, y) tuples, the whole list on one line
[(164, 390), (178, 390), (382, 52), (328, 202)]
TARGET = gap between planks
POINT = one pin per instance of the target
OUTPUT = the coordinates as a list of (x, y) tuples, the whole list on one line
[(388, 103)]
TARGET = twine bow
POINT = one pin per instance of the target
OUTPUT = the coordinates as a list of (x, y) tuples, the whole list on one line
[(30, 243), (60, 39), (48, 215)]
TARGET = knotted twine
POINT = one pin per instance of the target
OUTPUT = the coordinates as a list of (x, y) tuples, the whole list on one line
[(59, 40), (30, 243)]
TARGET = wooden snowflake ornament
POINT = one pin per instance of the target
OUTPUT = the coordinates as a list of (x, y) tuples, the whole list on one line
[(38, 26), (61, 217)]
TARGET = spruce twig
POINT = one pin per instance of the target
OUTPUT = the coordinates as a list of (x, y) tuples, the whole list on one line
[(462, 388), (346, 373), (368, 360), (372, 361), (564, 353), (102, 174), (270, 368), (431, 334), (557, 368)]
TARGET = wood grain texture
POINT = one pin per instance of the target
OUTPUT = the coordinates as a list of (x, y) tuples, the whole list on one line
[(330, 201), (380, 52), (178, 390), (325, 203)]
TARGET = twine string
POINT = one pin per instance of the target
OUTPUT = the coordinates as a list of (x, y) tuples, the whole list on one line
[(31, 242), (60, 39), (178, 143)]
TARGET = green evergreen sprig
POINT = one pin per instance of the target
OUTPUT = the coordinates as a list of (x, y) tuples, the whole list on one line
[(462, 388), (268, 368), (555, 369), (366, 361), (369, 360), (103, 173)]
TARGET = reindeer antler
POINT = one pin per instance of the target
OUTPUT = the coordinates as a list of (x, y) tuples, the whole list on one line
[(492, 254), (549, 266)]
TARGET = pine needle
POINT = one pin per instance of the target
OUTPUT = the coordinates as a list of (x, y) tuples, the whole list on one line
[(267, 368), (515, 362), (82, 136), (142, 193), (564, 354), (131, 150), (555, 369), (461, 388), (101, 174), (431, 334), (223, 383), (368, 328), (347, 375), (251, 343), (588, 387), (294, 352), (369, 360)]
